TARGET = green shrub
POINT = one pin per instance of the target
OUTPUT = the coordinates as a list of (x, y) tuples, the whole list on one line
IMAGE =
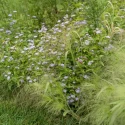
[(50, 56)]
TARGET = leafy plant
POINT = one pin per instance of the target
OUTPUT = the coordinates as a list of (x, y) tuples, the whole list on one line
[(53, 52)]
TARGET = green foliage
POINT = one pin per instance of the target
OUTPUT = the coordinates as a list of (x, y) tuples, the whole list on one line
[(94, 10), (10, 114), (105, 93), (47, 11), (53, 52)]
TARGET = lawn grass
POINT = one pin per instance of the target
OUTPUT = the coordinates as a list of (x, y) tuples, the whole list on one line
[(10, 114)]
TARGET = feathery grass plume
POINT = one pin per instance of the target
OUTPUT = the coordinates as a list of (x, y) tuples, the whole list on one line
[(104, 102), (109, 105), (47, 94)]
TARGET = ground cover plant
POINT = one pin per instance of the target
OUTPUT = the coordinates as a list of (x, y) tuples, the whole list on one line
[(64, 58)]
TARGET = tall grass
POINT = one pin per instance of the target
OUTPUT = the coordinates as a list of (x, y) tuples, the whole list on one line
[(13, 115), (94, 10)]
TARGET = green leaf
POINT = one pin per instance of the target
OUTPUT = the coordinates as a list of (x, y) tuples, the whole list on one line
[(66, 112), (59, 6)]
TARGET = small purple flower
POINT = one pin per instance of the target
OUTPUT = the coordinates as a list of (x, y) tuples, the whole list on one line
[(14, 11), (109, 47), (1, 29), (37, 68), (36, 54), (52, 65), (10, 15), (64, 90), (30, 81), (33, 16), (63, 84), (86, 77), (21, 80), (80, 60), (108, 37), (73, 96), (59, 21), (8, 32), (65, 77), (9, 73), (44, 63), (68, 97), (62, 65), (28, 78), (71, 100), (78, 90), (97, 31), (16, 37), (87, 42), (81, 22), (90, 63), (76, 98), (8, 78)]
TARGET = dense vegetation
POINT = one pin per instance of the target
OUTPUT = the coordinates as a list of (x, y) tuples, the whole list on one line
[(63, 59)]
